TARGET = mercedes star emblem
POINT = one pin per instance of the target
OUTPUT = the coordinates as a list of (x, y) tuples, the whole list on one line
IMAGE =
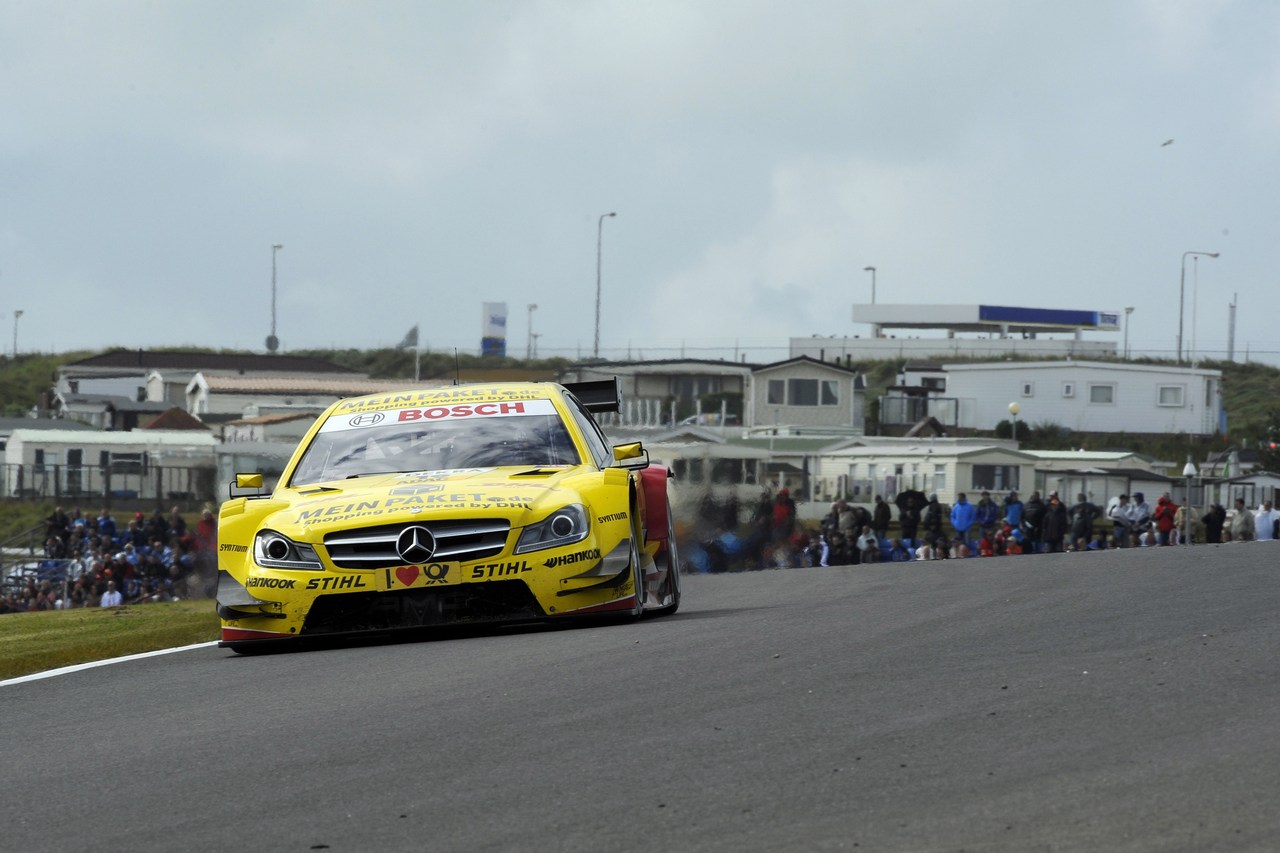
[(415, 544)]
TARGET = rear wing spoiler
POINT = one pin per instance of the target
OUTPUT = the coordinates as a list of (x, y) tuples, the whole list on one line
[(599, 395)]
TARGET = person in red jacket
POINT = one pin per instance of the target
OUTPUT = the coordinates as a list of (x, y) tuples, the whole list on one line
[(1166, 512)]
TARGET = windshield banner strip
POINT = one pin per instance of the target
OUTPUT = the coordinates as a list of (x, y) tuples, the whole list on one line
[(457, 411)]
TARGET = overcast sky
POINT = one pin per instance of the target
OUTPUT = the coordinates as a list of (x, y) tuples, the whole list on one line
[(417, 159)]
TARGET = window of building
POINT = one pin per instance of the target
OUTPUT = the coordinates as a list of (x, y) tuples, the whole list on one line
[(1068, 389), (1102, 394), (803, 392), (1028, 389), (1169, 395), (995, 478), (128, 463), (939, 478)]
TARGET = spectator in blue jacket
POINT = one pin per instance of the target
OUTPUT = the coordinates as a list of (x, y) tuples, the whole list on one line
[(1013, 514), (988, 515), (963, 516)]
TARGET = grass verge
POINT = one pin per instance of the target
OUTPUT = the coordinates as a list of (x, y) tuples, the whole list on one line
[(35, 642)]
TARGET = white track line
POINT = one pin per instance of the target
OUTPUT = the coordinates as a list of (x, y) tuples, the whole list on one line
[(67, 670)]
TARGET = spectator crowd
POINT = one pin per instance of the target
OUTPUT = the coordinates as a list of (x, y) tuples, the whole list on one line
[(97, 562), (928, 530)]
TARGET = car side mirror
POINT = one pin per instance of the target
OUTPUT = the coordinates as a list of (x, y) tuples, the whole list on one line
[(247, 485), (631, 456)]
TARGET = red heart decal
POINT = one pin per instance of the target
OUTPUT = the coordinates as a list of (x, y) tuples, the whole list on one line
[(407, 575)]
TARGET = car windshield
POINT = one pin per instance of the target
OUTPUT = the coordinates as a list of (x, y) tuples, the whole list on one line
[(353, 446)]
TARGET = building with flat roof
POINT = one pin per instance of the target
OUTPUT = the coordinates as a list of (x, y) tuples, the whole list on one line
[(966, 331)]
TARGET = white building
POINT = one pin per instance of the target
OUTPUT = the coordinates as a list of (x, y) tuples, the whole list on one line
[(93, 464), (213, 397), (967, 331), (288, 428), (940, 467), (1081, 396), (653, 392), (806, 393), (162, 376)]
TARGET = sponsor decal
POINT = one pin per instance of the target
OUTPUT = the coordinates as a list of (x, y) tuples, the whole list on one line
[(338, 582), (237, 549), (470, 500), (570, 559), (498, 570), (462, 410), (334, 513), (270, 583), (428, 574), (424, 489), (617, 516), (445, 409), (442, 474), (445, 395)]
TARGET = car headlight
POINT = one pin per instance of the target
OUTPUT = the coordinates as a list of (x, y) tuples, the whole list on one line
[(563, 527), (274, 551)]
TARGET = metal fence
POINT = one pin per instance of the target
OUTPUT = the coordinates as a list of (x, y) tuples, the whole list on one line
[(105, 483)]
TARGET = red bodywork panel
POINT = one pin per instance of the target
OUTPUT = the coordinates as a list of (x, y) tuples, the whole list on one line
[(653, 502)]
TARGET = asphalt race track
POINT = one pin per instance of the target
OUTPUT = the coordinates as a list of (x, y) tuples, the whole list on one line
[(1116, 701)]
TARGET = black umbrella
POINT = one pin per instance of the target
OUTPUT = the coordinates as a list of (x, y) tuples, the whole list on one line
[(911, 495)]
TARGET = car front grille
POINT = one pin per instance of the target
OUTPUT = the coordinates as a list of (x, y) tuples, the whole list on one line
[(458, 605), (455, 541)]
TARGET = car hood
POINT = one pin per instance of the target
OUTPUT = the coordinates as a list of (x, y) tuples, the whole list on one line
[(521, 494)]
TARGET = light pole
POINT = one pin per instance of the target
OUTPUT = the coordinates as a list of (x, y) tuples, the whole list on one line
[(1188, 471), (16, 316), (273, 343), (1182, 287), (872, 270), (1127, 312), (529, 347), (599, 258), (1195, 309), (1014, 408)]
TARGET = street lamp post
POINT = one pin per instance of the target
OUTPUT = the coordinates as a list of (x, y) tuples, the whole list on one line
[(599, 261), (1188, 471), (1182, 287), (529, 347), (1127, 312), (872, 270), (16, 316), (273, 343), (1014, 408)]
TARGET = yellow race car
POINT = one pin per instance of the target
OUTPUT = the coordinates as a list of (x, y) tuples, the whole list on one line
[(459, 505)]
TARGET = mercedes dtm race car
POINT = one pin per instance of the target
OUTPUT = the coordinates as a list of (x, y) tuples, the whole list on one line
[(451, 506)]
